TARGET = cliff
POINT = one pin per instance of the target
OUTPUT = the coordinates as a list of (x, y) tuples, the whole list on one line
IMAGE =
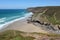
[(50, 14)]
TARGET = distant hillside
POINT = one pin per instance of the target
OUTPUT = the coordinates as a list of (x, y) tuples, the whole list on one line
[(50, 14)]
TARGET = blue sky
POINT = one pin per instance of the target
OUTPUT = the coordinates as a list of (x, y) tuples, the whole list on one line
[(19, 4)]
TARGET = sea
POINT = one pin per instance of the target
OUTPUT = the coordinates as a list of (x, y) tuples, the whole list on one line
[(8, 16)]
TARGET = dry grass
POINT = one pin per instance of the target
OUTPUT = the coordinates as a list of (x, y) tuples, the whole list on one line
[(13, 35)]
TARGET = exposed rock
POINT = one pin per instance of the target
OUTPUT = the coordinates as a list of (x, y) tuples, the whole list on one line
[(59, 27)]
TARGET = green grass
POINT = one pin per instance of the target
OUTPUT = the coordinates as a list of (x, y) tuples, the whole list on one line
[(53, 20), (13, 35)]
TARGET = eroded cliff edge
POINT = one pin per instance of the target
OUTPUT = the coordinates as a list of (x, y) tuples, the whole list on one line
[(48, 16)]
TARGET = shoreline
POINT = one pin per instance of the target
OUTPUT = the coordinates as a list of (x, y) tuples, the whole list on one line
[(22, 25), (8, 23)]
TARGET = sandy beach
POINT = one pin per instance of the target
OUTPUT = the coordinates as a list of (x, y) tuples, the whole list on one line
[(22, 25)]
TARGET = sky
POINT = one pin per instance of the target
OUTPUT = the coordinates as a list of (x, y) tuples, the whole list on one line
[(21, 4)]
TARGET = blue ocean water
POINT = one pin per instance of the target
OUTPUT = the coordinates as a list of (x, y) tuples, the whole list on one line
[(7, 15)]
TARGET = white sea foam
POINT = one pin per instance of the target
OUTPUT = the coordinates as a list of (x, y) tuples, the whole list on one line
[(21, 18), (2, 19)]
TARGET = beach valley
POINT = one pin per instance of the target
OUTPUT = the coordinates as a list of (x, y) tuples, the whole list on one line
[(41, 23)]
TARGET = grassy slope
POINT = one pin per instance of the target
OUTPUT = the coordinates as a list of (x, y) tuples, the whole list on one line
[(16, 35), (13, 35), (50, 14)]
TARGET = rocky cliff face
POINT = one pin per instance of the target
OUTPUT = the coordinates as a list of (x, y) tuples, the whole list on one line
[(47, 15), (51, 14)]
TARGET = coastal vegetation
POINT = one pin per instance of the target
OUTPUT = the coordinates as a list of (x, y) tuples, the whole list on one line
[(14, 35), (19, 35)]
